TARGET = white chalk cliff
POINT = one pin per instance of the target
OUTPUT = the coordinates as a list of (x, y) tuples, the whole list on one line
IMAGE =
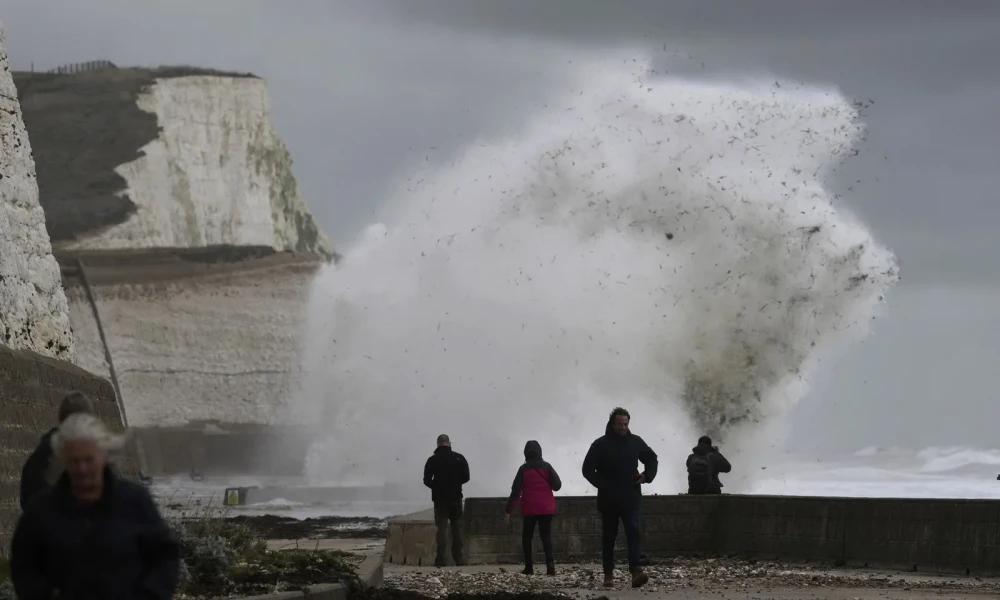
[(219, 342), (33, 309), (173, 189), (217, 174)]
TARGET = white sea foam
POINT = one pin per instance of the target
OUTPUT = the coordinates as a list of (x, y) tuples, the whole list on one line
[(662, 244)]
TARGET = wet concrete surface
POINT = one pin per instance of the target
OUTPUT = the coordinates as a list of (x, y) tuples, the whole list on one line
[(354, 546)]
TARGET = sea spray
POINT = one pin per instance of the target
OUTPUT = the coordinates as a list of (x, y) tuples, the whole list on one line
[(657, 243)]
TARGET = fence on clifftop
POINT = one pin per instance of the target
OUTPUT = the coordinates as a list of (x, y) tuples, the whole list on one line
[(83, 67)]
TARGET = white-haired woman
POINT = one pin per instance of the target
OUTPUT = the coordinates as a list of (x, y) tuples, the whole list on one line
[(92, 536)]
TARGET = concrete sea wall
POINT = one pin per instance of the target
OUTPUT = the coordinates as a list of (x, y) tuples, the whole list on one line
[(926, 535), (218, 449)]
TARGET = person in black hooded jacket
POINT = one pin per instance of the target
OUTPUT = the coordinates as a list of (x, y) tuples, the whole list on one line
[(445, 472), (39, 471), (612, 466), (703, 466)]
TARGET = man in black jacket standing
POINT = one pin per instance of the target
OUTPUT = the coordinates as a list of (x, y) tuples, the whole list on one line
[(612, 466), (39, 472), (445, 473)]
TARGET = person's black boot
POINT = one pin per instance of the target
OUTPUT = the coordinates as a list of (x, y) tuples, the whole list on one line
[(550, 568), (639, 578), (528, 569)]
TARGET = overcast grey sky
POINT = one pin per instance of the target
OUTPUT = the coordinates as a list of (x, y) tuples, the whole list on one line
[(361, 88)]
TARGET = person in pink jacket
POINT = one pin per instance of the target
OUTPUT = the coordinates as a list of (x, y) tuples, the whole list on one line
[(533, 486)]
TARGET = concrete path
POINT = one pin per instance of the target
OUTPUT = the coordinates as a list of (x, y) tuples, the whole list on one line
[(355, 546)]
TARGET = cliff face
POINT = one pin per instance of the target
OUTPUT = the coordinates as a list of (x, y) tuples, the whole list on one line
[(167, 158), (35, 340), (195, 338), (172, 189), (33, 310)]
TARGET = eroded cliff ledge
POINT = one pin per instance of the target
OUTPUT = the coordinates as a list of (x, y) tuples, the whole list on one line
[(172, 157), (197, 334)]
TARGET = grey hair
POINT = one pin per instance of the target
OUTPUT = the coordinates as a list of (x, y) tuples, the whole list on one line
[(83, 426)]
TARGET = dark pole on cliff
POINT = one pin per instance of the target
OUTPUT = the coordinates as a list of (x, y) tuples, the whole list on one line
[(140, 454), (104, 341)]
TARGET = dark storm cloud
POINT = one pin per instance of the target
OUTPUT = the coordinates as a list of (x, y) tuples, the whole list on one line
[(362, 89), (356, 98), (595, 20), (930, 66)]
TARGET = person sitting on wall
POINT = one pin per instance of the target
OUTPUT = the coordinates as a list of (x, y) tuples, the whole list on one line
[(704, 465), (40, 471), (533, 486), (445, 472), (612, 466), (92, 535)]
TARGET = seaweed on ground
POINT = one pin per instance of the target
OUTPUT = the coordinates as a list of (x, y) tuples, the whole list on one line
[(275, 527), (223, 558)]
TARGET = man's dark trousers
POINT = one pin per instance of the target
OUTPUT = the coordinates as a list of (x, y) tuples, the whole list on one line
[(629, 516), (446, 514)]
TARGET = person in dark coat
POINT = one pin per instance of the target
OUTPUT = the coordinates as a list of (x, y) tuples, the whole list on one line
[(39, 472), (612, 466), (704, 465), (533, 487), (92, 536), (445, 472)]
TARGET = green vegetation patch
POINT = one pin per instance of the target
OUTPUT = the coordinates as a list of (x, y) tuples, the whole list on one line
[(222, 558)]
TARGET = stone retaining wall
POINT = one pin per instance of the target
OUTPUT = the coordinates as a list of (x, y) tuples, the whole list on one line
[(914, 534), (224, 449), (31, 387)]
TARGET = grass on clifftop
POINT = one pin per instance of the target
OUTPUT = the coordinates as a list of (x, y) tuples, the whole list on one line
[(82, 128)]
